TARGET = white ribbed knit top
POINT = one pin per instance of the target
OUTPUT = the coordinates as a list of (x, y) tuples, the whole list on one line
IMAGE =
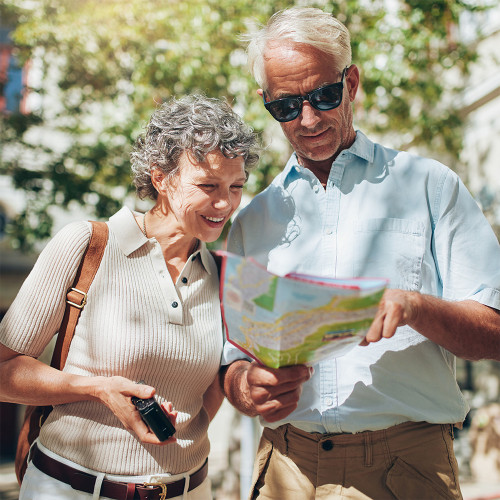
[(137, 324)]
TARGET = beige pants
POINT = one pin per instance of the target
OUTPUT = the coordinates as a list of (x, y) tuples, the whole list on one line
[(410, 461)]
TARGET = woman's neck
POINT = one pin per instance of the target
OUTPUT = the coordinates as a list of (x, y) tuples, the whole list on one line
[(176, 247)]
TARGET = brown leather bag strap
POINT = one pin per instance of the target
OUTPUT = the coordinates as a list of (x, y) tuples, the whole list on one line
[(77, 294)]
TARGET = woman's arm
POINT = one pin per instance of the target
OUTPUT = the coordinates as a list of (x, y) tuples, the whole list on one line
[(31, 322), (213, 397), (25, 380)]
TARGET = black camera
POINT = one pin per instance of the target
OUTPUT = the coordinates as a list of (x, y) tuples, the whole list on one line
[(154, 417)]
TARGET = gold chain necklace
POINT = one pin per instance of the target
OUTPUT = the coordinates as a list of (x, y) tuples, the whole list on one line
[(144, 225)]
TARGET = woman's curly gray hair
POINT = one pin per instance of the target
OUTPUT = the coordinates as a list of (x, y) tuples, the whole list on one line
[(193, 123)]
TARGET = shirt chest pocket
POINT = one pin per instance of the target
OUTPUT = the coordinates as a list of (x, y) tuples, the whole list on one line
[(390, 248)]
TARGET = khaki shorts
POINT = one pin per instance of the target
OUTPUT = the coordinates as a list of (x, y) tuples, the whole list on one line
[(410, 461)]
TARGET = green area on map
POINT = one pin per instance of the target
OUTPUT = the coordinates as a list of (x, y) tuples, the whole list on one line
[(285, 320)]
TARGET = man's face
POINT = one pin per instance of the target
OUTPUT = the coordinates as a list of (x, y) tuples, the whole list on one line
[(316, 136)]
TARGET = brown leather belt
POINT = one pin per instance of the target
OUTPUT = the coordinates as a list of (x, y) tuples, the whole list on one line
[(83, 481)]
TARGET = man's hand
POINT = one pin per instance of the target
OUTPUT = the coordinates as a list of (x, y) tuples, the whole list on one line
[(275, 393), (466, 328), (257, 390), (397, 308)]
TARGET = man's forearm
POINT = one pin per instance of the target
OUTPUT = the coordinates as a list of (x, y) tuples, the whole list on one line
[(235, 387), (468, 329)]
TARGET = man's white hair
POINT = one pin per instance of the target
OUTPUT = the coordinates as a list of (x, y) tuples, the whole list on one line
[(303, 25)]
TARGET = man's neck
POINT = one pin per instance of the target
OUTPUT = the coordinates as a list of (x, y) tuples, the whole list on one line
[(321, 169)]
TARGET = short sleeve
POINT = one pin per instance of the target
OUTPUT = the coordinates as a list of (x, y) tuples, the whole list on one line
[(36, 313), (466, 248)]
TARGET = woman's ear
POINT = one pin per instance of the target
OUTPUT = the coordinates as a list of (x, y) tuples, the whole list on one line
[(157, 179)]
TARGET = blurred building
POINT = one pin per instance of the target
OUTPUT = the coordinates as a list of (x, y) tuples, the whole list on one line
[(13, 76), (481, 110)]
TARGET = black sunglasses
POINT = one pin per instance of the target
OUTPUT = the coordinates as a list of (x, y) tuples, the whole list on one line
[(324, 99)]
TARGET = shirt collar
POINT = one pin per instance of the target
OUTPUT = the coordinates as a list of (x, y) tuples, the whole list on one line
[(203, 254), (130, 237), (126, 231), (362, 147), (207, 259)]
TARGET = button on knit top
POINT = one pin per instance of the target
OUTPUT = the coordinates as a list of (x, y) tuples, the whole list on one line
[(128, 328)]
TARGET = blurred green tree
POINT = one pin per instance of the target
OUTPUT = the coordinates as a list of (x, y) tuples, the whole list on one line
[(103, 65)]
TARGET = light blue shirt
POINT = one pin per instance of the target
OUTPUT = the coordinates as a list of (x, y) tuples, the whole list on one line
[(386, 214)]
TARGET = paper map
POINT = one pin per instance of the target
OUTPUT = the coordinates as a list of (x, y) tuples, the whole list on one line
[(294, 319)]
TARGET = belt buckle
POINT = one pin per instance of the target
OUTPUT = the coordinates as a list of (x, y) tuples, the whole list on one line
[(163, 486)]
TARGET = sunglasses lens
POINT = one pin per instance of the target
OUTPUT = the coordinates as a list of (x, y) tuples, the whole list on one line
[(284, 110), (324, 99), (327, 98)]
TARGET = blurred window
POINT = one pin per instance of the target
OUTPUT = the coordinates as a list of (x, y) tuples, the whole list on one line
[(12, 77)]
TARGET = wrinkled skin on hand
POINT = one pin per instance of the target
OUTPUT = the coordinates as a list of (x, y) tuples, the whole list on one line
[(275, 392), (397, 308), (116, 394)]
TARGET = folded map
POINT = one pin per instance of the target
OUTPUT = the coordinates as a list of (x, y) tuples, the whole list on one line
[(297, 318)]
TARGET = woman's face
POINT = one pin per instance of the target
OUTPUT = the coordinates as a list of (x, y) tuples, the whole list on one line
[(201, 197)]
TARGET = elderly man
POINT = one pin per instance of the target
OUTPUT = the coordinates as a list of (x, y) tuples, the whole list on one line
[(377, 422)]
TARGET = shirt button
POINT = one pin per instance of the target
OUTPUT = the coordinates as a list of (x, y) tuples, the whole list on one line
[(327, 445), (328, 401), (184, 280), (174, 304)]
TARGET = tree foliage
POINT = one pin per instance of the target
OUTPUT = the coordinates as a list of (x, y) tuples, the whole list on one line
[(104, 65)]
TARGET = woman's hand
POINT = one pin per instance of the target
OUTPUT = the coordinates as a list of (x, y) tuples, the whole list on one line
[(116, 393), (25, 380)]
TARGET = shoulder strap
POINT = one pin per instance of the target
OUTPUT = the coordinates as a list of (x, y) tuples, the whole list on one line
[(77, 294)]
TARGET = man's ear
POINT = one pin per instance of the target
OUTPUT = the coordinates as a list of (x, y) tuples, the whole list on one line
[(352, 81), (260, 92)]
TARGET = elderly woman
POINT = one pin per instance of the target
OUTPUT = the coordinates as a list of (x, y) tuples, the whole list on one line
[(152, 314)]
